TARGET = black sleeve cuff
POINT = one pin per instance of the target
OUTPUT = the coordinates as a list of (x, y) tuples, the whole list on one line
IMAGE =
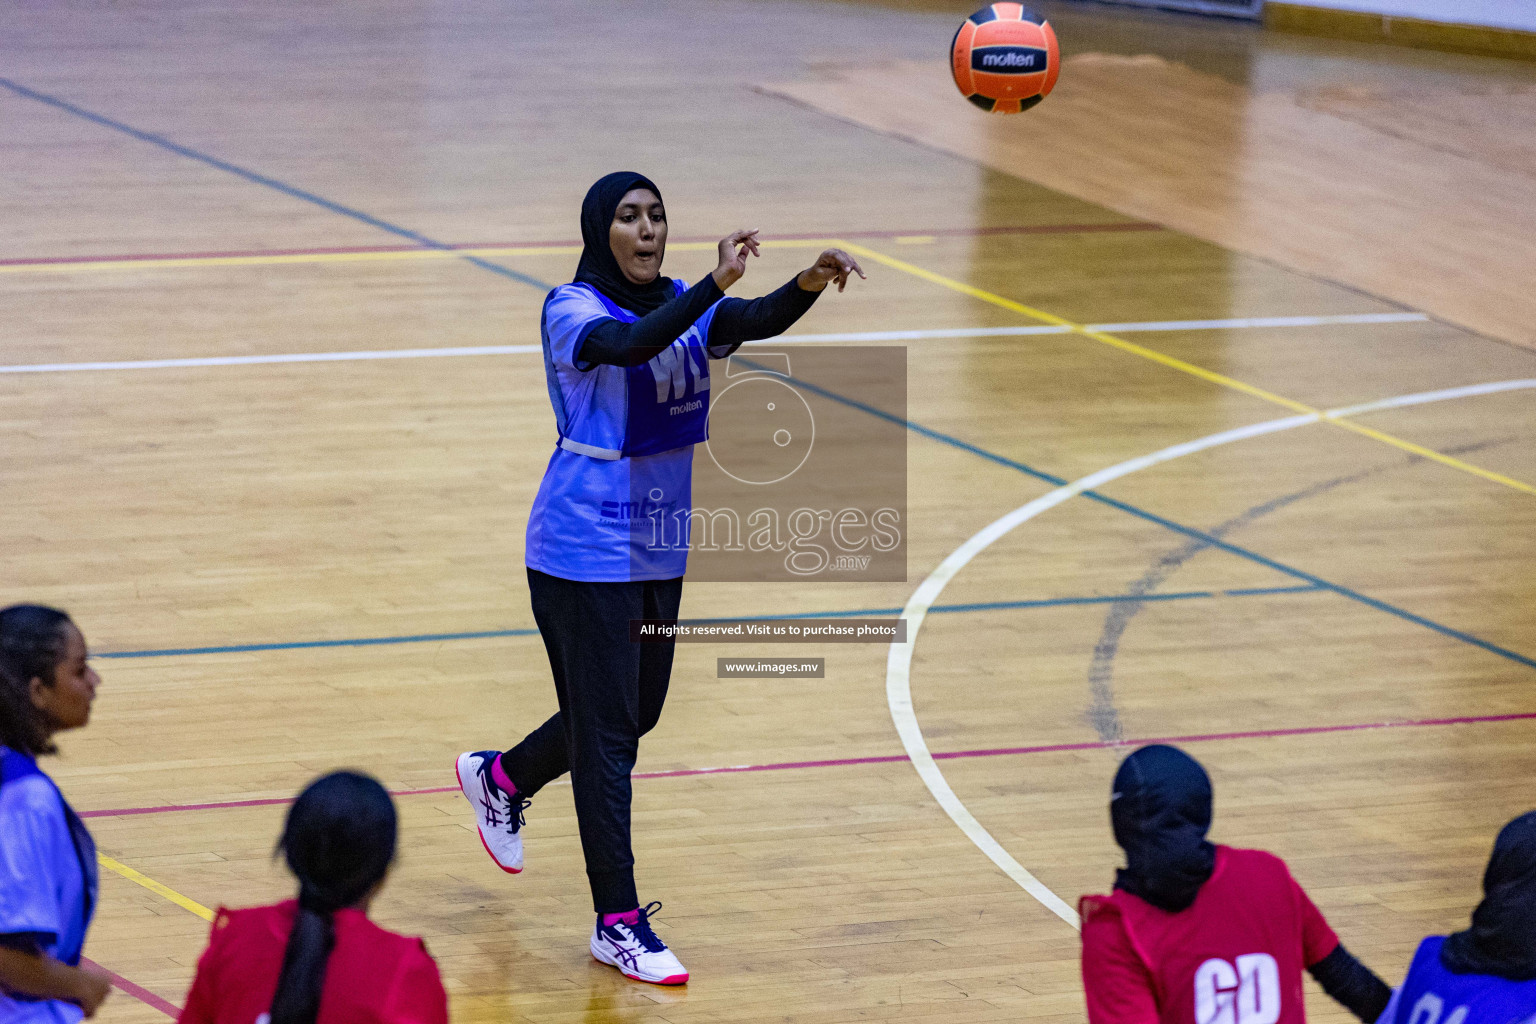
[(26, 942), (1352, 984), (737, 321)]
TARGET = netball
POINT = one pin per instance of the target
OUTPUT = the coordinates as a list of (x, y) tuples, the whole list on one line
[(1005, 59)]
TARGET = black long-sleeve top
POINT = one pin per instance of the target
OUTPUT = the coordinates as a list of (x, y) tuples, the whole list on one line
[(1352, 983), (737, 321)]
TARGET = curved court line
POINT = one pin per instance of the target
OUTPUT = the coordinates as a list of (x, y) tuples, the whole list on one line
[(1425, 397), (1184, 366), (898, 673), (1102, 710)]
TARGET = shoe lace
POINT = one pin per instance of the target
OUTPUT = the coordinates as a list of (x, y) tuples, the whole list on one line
[(516, 807), (516, 821), (641, 929)]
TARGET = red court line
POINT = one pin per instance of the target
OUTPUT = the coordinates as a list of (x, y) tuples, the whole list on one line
[(844, 762), (138, 992), (1029, 229)]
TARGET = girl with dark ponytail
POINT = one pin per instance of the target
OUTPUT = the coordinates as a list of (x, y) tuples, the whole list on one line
[(318, 958)]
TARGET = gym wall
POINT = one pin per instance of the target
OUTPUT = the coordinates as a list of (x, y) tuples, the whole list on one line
[(1507, 14)]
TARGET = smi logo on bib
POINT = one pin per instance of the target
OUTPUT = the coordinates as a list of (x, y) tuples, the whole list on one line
[(1244, 992)]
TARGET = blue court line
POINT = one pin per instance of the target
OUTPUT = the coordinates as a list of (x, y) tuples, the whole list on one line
[(256, 178), (1151, 517), (1180, 595), (1044, 602), (367, 641), (1302, 574), (1259, 591), (426, 638), (1187, 531)]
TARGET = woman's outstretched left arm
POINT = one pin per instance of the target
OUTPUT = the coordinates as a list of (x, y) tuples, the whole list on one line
[(739, 320)]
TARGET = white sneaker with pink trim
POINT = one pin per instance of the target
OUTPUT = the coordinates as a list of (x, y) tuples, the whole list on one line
[(498, 815), (636, 951)]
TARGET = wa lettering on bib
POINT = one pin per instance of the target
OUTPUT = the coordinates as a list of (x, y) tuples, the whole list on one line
[(656, 407)]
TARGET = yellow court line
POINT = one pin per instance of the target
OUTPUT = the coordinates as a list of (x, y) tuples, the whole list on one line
[(392, 256), (1201, 372), (184, 902)]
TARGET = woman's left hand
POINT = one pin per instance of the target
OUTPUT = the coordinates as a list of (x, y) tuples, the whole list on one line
[(832, 265)]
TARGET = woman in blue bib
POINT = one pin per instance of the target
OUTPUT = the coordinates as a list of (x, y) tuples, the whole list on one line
[(47, 858), (626, 357), (1487, 973)]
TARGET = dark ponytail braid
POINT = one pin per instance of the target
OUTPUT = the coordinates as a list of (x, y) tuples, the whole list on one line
[(339, 840)]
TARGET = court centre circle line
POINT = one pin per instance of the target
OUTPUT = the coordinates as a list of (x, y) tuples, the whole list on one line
[(898, 672)]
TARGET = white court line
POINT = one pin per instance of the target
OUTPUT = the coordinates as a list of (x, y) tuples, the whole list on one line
[(792, 339), (1425, 397), (1241, 323), (953, 332), (1262, 321), (298, 357), (898, 670)]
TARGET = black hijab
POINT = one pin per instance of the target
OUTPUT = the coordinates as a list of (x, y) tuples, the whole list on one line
[(1502, 939), (1161, 810), (598, 268)]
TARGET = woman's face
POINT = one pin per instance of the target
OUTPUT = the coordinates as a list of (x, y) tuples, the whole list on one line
[(638, 235), (65, 700)]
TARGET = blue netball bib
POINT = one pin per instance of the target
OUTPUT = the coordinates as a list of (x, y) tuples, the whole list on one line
[(69, 935), (667, 398), (1433, 995), (625, 449)]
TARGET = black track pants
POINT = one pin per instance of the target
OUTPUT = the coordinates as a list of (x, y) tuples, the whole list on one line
[(610, 692)]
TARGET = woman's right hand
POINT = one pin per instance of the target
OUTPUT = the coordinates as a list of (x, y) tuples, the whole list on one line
[(733, 256)]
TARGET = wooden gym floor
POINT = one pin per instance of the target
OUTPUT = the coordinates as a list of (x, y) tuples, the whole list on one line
[(1331, 609)]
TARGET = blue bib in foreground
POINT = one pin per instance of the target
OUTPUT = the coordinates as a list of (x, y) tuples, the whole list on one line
[(48, 879), (1433, 995)]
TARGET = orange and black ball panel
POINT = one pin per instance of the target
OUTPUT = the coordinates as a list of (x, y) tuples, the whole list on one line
[(1005, 58)]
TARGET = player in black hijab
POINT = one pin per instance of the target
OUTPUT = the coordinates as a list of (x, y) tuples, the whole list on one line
[(1502, 939), (1189, 894), (620, 435), (1161, 811), (1485, 974)]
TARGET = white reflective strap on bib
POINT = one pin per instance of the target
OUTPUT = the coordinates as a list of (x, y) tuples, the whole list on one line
[(591, 450)]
